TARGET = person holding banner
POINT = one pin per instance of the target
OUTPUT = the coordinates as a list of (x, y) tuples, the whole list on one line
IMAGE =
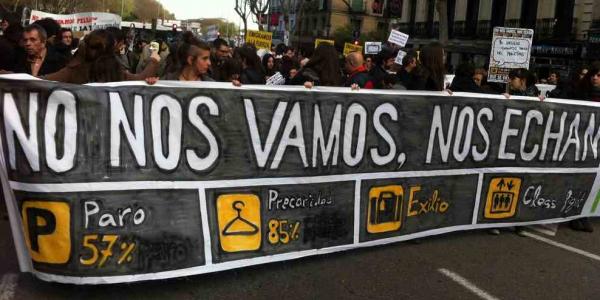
[(268, 62), (407, 72), (96, 62), (192, 60), (384, 61), (252, 71), (464, 80), (522, 83), (358, 76), (322, 69)]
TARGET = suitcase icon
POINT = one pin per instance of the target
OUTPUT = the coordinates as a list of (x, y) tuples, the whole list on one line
[(385, 208)]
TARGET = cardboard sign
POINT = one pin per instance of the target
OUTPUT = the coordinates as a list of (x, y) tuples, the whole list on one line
[(118, 182), (319, 41), (349, 47), (511, 49), (87, 21), (276, 79), (212, 33), (398, 38), (372, 47), (399, 57), (260, 39)]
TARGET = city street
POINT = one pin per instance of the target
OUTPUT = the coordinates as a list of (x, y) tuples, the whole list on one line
[(464, 265)]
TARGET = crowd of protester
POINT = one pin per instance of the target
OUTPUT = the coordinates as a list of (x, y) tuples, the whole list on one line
[(45, 50)]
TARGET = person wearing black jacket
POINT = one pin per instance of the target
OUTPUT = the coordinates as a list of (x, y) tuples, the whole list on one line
[(252, 72), (429, 76), (407, 72), (322, 69), (463, 81), (383, 62), (37, 59)]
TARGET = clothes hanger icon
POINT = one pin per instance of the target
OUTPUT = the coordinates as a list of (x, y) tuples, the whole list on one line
[(238, 206)]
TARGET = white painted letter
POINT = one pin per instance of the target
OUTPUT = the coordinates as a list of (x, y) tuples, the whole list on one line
[(294, 124), (480, 156), (437, 128), (355, 110), (13, 126), (262, 153), (506, 132), (196, 162), (333, 140), (466, 112), (118, 118), (391, 111), (159, 103), (67, 100), (532, 114)]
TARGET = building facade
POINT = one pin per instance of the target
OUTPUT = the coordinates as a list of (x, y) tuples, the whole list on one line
[(567, 32), (561, 28), (322, 18)]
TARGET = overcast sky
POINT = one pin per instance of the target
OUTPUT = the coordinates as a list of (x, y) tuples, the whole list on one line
[(195, 9)]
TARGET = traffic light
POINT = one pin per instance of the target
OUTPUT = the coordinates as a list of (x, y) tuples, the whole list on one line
[(356, 42)]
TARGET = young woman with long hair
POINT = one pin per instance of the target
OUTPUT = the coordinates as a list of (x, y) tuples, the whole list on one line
[(322, 69), (432, 70)]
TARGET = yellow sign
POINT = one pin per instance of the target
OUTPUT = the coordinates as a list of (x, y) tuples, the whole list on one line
[(502, 198), (323, 41), (349, 48), (47, 226), (260, 39), (385, 208), (239, 222)]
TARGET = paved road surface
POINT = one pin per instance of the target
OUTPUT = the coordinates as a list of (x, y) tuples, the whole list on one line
[(465, 265)]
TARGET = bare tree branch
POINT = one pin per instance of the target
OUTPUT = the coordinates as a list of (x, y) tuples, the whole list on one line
[(241, 8), (258, 8)]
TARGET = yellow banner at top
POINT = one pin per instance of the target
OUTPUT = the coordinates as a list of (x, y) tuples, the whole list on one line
[(349, 47), (260, 39)]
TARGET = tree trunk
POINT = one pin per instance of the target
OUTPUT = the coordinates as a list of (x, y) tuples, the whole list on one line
[(442, 9)]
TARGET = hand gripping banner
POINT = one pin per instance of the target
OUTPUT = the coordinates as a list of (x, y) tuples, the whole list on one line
[(125, 182)]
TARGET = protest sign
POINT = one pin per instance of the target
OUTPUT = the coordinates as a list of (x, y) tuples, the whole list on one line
[(399, 57), (260, 39), (276, 79), (212, 33), (372, 47), (115, 182), (319, 41), (349, 47), (398, 38), (87, 21), (511, 49)]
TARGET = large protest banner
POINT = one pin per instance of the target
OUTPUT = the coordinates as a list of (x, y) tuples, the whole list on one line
[(124, 182), (86, 21)]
